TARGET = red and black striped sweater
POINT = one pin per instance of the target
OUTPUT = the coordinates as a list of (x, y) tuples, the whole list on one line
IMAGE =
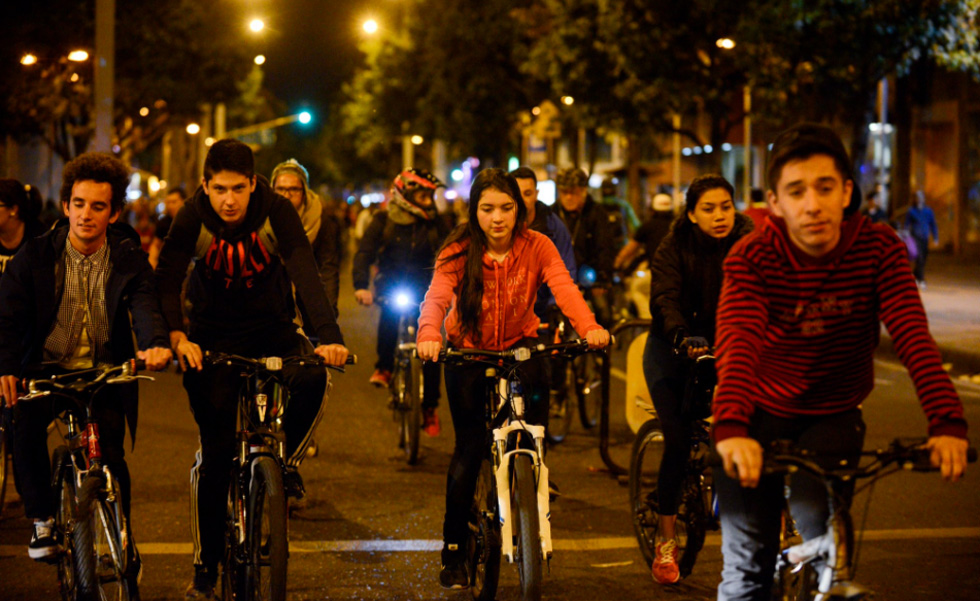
[(796, 335)]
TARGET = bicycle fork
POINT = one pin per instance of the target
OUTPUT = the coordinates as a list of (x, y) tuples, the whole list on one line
[(503, 465)]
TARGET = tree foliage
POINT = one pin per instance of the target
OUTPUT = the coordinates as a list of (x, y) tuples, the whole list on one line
[(167, 59)]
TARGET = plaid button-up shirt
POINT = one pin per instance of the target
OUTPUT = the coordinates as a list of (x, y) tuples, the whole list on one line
[(82, 319)]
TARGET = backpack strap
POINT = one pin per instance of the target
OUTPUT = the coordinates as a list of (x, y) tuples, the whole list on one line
[(268, 237)]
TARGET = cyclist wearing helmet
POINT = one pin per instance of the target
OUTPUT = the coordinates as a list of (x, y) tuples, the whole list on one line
[(592, 228), (402, 241)]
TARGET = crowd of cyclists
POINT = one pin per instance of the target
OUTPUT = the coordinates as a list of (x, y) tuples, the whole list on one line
[(790, 304)]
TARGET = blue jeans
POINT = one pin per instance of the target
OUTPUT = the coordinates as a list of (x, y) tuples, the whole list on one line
[(750, 517)]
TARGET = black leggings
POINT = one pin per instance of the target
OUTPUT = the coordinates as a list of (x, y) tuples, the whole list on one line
[(467, 388), (665, 376)]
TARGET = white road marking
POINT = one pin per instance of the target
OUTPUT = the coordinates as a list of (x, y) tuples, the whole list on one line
[(581, 544)]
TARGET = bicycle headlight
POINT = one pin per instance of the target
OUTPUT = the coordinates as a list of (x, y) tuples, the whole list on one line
[(586, 276), (403, 299)]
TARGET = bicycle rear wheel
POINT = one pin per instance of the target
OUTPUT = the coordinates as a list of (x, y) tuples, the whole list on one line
[(63, 484), (527, 530), (588, 388), (648, 450), (483, 547), (266, 540), (101, 559)]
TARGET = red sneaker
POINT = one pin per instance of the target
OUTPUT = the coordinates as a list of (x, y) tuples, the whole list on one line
[(380, 378), (430, 422), (665, 568)]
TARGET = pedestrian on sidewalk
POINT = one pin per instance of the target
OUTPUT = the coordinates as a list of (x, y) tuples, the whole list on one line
[(921, 222)]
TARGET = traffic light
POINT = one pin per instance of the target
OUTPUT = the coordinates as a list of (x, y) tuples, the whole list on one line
[(305, 117)]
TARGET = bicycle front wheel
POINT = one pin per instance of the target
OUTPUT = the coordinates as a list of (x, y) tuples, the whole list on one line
[(527, 530), (588, 388), (267, 545), (64, 520), (648, 451), (101, 560), (412, 413), (483, 547)]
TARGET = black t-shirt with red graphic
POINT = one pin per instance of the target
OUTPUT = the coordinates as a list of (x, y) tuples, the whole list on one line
[(242, 281)]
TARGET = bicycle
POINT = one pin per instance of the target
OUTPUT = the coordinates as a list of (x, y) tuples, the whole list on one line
[(697, 508), (98, 556), (821, 569), (254, 565), (407, 382), (511, 506)]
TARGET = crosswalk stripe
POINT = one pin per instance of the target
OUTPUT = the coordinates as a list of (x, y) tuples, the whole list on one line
[(581, 544)]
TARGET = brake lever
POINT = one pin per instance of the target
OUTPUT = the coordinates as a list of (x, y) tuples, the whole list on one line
[(124, 379), (34, 395)]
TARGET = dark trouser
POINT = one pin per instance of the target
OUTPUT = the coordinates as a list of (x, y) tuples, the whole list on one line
[(213, 395), (468, 389), (750, 517), (921, 253), (388, 339), (664, 372), (32, 465)]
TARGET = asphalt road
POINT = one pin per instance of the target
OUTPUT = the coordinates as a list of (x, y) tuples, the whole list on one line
[(372, 528)]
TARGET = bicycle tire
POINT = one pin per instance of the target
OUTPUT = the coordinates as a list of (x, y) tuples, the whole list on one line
[(648, 449), (266, 540), (691, 514), (232, 571), (588, 389), (63, 486), (527, 530), (413, 413), (100, 560), (483, 547), (560, 410)]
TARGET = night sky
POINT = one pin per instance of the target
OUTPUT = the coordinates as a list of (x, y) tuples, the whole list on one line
[(310, 46)]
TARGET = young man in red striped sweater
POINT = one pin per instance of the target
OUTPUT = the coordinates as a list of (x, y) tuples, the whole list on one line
[(797, 325)]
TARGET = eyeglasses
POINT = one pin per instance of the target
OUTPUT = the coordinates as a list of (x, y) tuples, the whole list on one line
[(288, 191)]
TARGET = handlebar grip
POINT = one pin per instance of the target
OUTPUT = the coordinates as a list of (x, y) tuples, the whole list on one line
[(139, 365), (351, 359)]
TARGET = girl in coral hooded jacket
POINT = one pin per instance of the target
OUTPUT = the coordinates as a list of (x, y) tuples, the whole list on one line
[(486, 278)]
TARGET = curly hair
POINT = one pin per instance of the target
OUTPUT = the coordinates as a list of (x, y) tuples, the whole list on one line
[(101, 168)]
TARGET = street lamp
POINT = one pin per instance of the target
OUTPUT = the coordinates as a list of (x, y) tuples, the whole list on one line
[(193, 129), (417, 139), (28, 59), (370, 27), (260, 59), (78, 56), (567, 100), (256, 25), (725, 43)]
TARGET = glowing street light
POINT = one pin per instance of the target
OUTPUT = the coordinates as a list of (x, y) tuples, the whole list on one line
[(260, 59), (725, 43), (78, 56), (144, 111), (193, 129), (370, 27), (567, 100), (28, 59), (417, 139), (256, 25)]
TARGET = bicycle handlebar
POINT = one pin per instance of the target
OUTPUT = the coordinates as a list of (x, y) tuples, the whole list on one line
[(273, 363), (517, 354), (76, 382)]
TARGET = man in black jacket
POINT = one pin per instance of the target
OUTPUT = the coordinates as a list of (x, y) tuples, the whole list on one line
[(403, 241), (65, 304), (594, 231), (251, 250)]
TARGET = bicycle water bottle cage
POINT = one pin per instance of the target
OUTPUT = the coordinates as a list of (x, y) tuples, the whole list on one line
[(273, 363)]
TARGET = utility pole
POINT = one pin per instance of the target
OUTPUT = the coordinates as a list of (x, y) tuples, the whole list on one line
[(105, 53)]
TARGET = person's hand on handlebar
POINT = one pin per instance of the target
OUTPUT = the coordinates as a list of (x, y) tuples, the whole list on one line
[(742, 459), (8, 389), (156, 358), (597, 338), (949, 455), (429, 350), (333, 354), (364, 297), (695, 346), (188, 354)]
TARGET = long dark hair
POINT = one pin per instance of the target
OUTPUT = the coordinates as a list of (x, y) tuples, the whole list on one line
[(473, 240)]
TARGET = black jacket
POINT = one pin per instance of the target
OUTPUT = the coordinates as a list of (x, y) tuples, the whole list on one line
[(686, 277), (251, 292), (404, 253), (31, 291), (594, 232)]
